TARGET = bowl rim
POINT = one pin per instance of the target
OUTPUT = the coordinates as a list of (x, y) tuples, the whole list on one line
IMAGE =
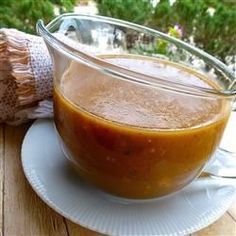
[(136, 77)]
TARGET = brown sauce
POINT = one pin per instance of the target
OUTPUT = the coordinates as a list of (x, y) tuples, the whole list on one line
[(135, 141)]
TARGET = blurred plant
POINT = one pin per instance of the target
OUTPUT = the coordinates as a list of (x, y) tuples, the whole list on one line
[(24, 14), (163, 47), (64, 5), (209, 24), (129, 10)]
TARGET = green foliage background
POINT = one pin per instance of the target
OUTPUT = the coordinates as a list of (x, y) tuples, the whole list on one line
[(23, 14), (135, 11), (214, 33)]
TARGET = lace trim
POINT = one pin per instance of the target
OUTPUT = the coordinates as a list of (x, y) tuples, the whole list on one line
[(15, 43), (28, 103)]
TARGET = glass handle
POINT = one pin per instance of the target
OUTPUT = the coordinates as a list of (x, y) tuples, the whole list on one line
[(222, 165), (232, 87), (234, 105)]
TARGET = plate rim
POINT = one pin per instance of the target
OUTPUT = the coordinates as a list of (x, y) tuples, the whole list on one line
[(57, 209)]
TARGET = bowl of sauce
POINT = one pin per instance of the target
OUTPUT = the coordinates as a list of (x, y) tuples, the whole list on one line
[(133, 124)]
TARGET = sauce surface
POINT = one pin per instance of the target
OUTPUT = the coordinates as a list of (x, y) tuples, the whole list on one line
[(136, 141), (139, 106)]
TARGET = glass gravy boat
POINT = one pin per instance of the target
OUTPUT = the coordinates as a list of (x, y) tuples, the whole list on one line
[(116, 153)]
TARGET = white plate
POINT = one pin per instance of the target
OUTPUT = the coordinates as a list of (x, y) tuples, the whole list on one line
[(48, 172)]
